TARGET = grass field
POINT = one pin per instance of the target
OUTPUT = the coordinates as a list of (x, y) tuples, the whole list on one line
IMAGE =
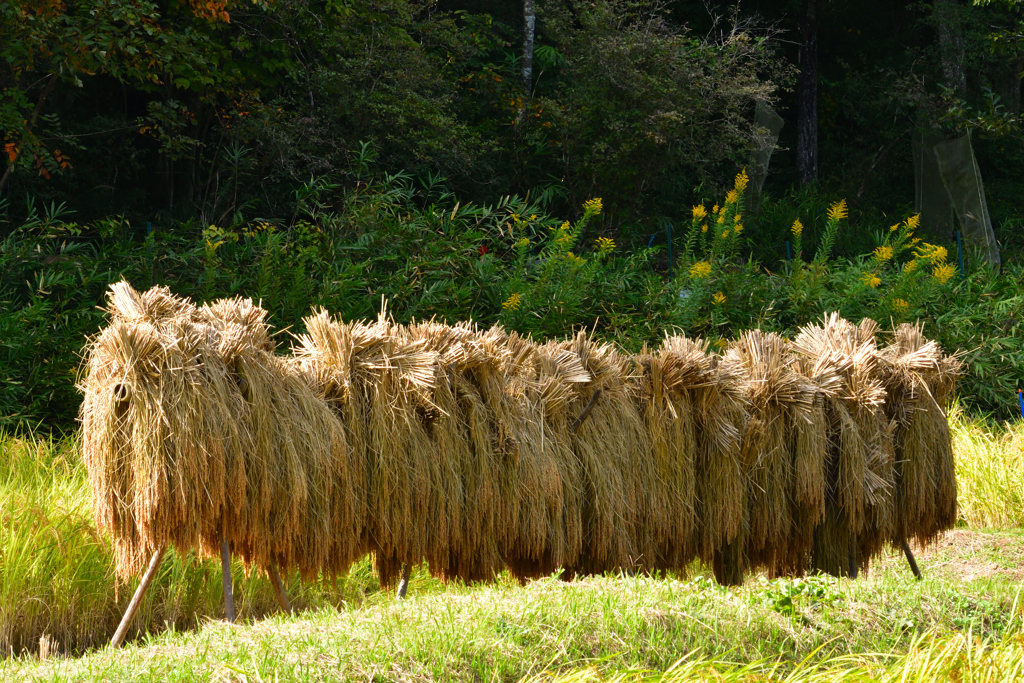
[(963, 620)]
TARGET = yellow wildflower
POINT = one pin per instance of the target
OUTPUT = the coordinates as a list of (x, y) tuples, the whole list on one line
[(574, 259), (715, 209), (872, 279), (699, 212), (910, 266), (913, 222), (900, 305), (605, 245), (944, 272), (522, 243), (798, 228), (741, 180), (704, 228), (533, 216), (731, 196), (719, 298), (592, 207), (738, 228), (838, 211), (700, 269), (512, 303), (721, 218), (932, 252), (725, 233), (894, 228), (883, 253)]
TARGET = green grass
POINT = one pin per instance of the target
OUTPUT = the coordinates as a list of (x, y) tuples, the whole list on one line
[(56, 579)]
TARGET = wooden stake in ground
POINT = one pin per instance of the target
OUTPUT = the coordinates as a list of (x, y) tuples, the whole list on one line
[(225, 565), (910, 558), (403, 585), (140, 592), (282, 597)]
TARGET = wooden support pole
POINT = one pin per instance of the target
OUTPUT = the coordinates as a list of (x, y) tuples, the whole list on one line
[(225, 567), (586, 411), (282, 597), (403, 584), (853, 557), (910, 558), (136, 602)]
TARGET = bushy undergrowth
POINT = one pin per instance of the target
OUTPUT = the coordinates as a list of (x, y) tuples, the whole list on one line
[(428, 255)]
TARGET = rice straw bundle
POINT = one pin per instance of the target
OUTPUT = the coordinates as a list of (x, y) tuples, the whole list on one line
[(853, 471), (463, 428), (693, 413), (299, 480), (620, 496), (548, 480), (163, 429), (780, 399), (919, 381), (377, 382)]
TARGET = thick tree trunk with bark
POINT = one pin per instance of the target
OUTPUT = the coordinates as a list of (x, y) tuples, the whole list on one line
[(807, 96)]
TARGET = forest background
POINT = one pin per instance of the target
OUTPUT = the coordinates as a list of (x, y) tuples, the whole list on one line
[(543, 164)]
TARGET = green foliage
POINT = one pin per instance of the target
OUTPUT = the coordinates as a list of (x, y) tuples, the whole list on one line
[(428, 255)]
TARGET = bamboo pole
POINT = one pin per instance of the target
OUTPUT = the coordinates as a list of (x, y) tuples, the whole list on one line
[(136, 602), (225, 566), (282, 596)]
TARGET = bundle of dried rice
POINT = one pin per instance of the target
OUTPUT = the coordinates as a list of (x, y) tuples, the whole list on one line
[(377, 382), (194, 431), (919, 381), (852, 500), (781, 401), (464, 429), (547, 476), (300, 484), (163, 429), (692, 407), (620, 499)]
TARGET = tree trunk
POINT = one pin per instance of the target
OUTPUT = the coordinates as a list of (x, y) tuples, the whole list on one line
[(807, 96), (951, 46), (529, 27)]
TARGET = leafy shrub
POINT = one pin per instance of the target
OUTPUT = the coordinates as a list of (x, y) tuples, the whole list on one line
[(428, 255)]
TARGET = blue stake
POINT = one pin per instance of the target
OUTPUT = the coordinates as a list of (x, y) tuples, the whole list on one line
[(960, 253), (668, 230), (789, 257), (1020, 397)]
